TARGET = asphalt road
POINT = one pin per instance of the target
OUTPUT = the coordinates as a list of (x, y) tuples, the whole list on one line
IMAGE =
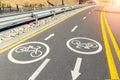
[(79, 48)]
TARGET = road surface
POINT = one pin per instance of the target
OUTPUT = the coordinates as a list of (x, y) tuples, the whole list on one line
[(82, 47)]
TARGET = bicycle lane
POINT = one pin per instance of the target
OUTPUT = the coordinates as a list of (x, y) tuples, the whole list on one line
[(93, 66), (62, 58), (11, 71)]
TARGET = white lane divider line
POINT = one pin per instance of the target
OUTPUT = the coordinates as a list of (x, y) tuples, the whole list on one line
[(74, 28), (50, 36), (75, 73), (40, 68), (84, 18), (89, 13)]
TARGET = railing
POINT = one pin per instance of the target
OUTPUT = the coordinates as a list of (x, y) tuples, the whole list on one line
[(8, 21)]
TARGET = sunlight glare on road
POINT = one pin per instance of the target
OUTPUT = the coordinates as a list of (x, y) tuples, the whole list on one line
[(117, 3)]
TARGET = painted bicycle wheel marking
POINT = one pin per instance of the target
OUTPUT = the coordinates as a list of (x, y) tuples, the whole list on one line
[(84, 45), (29, 52)]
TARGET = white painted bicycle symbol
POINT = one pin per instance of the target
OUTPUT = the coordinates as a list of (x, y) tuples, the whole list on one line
[(84, 45), (34, 52), (87, 45)]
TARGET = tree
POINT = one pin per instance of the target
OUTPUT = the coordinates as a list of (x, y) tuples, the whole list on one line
[(9, 6), (26, 5), (50, 3), (4, 6), (63, 3), (17, 6), (40, 5), (80, 1), (0, 7)]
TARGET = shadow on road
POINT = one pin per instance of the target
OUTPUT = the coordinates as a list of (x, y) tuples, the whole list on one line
[(113, 12)]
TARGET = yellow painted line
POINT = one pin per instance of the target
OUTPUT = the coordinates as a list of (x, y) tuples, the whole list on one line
[(111, 63), (36, 33), (114, 42)]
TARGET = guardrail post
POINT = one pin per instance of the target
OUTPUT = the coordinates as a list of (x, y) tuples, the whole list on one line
[(36, 18), (54, 13), (64, 10)]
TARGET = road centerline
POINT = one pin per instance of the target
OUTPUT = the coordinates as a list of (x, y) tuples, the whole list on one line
[(114, 42), (50, 36), (110, 59), (84, 18), (40, 68), (74, 28), (89, 13)]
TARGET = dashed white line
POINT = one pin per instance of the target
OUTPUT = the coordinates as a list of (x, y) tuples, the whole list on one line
[(74, 28), (89, 13), (40, 68), (84, 18), (51, 35)]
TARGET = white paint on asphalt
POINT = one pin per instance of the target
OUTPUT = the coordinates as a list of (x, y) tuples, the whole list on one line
[(89, 13), (38, 71), (93, 10), (50, 36), (88, 47), (34, 51), (74, 28), (17, 61), (84, 18), (75, 73)]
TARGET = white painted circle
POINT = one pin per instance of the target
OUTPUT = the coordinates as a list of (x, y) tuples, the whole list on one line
[(81, 52), (10, 57)]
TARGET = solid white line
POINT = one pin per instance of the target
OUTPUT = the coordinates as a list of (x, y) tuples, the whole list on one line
[(40, 68), (74, 28), (84, 18), (47, 38)]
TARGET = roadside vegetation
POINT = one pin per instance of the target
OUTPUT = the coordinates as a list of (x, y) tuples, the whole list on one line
[(5, 7)]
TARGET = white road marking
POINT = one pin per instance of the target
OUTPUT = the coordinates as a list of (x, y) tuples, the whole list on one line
[(84, 18), (14, 60), (89, 13), (40, 68), (93, 10), (74, 28), (51, 35), (75, 73), (80, 51)]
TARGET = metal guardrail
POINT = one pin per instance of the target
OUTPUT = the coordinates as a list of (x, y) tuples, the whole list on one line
[(7, 22)]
